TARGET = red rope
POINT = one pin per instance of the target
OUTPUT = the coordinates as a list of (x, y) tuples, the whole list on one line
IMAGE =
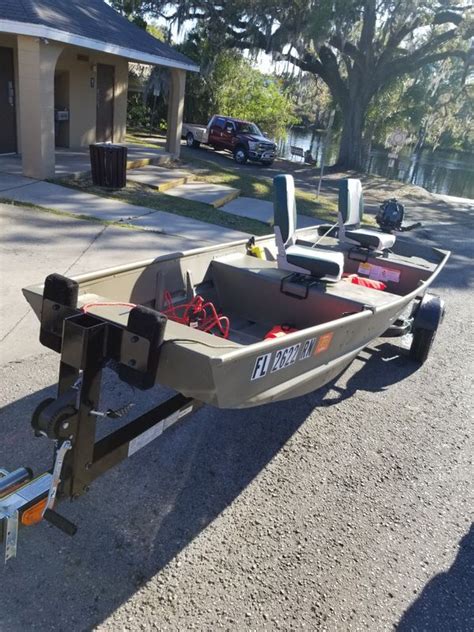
[(197, 313)]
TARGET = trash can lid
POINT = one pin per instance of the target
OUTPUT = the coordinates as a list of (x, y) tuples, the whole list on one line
[(108, 145)]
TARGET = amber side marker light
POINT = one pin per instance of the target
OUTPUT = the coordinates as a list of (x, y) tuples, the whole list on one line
[(34, 514)]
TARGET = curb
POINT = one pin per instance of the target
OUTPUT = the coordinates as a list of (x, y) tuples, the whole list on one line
[(227, 198)]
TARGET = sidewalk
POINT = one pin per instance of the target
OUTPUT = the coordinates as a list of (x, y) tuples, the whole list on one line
[(71, 201), (35, 244)]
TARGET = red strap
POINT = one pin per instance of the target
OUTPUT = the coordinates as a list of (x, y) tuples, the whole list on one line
[(375, 285)]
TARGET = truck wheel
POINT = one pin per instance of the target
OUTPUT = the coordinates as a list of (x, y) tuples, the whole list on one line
[(267, 163), (241, 155), (421, 345), (191, 142)]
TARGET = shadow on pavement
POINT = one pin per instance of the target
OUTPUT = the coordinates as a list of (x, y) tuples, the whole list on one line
[(379, 368), (144, 512), (446, 602)]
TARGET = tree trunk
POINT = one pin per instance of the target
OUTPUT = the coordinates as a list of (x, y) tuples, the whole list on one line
[(350, 149)]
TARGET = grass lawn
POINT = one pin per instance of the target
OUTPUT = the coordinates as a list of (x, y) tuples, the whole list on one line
[(261, 188)]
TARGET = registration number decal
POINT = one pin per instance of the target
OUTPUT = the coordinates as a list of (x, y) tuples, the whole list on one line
[(285, 357), (308, 348), (261, 366)]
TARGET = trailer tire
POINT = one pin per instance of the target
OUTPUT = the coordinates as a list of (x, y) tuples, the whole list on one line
[(191, 141), (421, 345), (427, 318), (241, 155)]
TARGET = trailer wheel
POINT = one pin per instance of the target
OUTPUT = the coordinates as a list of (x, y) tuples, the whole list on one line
[(421, 345), (428, 318), (241, 155), (191, 142)]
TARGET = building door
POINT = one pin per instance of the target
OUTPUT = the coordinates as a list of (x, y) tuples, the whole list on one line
[(105, 103), (7, 102)]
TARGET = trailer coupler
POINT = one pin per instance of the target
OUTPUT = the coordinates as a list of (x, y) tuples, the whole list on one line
[(25, 501)]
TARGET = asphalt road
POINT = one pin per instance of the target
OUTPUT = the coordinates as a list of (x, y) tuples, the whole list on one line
[(347, 509)]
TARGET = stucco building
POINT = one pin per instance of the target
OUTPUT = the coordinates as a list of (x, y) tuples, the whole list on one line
[(64, 78)]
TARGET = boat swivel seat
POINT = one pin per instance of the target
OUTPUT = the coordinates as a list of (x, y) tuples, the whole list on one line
[(292, 255), (351, 209)]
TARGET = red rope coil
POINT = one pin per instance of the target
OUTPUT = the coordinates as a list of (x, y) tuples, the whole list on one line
[(196, 313), (199, 314)]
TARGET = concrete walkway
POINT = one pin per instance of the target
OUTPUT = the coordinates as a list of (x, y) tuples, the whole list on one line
[(66, 200), (214, 194), (180, 184), (76, 161)]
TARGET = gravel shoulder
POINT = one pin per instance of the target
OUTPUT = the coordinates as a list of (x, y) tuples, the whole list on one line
[(347, 509)]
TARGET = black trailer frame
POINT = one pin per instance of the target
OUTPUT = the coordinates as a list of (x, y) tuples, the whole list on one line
[(87, 344)]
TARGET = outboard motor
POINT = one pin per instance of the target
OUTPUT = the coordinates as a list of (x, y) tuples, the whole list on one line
[(390, 217)]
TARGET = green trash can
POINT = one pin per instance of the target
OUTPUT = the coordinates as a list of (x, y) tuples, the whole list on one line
[(108, 165)]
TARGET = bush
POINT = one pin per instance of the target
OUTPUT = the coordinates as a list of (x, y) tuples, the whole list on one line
[(138, 113)]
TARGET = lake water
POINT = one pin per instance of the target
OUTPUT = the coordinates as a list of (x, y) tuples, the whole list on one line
[(440, 171)]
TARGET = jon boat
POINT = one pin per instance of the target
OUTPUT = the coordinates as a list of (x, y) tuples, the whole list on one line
[(234, 325)]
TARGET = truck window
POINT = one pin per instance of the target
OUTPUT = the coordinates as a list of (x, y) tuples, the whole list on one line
[(218, 122), (248, 128)]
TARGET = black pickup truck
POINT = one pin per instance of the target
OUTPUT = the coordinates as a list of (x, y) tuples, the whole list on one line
[(243, 139)]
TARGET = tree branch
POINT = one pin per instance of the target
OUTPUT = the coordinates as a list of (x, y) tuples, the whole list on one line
[(366, 42), (396, 38), (346, 48), (331, 75), (392, 68), (406, 66)]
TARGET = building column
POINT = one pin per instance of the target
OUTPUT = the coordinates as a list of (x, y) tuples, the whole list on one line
[(36, 64), (120, 100), (175, 111)]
